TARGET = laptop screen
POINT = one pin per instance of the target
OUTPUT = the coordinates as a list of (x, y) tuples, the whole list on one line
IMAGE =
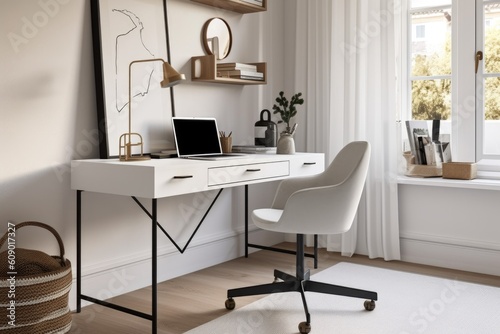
[(196, 136)]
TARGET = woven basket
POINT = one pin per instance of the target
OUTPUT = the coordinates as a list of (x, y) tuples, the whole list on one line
[(39, 291)]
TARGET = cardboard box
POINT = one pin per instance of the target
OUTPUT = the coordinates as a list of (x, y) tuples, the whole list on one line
[(459, 170)]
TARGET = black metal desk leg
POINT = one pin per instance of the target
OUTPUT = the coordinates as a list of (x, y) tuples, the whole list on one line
[(315, 251), (78, 251), (154, 297), (246, 220)]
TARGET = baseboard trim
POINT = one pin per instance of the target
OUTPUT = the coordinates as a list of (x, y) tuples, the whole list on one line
[(447, 254)]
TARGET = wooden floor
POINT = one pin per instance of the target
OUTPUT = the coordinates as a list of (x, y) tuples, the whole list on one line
[(194, 299)]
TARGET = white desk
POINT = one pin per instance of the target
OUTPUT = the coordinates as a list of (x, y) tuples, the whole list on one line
[(162, 178)]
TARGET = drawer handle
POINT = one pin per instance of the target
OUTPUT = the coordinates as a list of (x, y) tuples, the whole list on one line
[(253, 170), (183, 176), (309, 163)]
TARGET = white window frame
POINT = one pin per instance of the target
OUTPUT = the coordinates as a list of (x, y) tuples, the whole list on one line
[(465, 131)]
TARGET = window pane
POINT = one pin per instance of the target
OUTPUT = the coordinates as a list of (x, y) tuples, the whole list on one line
[(492, 38), (431, 42), (431, 99), (491, 128), (491, 80), (492, 98)]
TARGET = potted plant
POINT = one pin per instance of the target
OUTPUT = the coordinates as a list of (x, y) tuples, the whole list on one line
[(287, 110)]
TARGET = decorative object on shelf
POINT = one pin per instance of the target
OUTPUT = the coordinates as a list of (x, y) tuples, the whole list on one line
[(122, 32), (287, 110), (217, 38), (459, 170), (170, 78), (265, 130)]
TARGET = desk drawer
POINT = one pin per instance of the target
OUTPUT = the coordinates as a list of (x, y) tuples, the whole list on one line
[(243, 173), (188, 180), (303, 165)]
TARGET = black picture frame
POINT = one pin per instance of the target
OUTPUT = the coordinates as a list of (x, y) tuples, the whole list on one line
[(124, 31)]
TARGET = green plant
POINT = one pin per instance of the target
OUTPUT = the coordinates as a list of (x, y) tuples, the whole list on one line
[(287, 109)]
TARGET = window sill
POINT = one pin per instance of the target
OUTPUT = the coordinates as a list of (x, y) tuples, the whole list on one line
[(479, 183)]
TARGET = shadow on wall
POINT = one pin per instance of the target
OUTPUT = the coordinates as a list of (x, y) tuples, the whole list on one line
[(39, 196)]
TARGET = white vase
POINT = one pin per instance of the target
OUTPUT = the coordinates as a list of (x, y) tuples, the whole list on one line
[(286, 144)]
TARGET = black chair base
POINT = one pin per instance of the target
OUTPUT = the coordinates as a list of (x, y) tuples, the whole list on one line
[(300, 283)]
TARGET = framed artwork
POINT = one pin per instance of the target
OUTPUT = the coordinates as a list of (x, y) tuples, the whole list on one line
[(124, 31)]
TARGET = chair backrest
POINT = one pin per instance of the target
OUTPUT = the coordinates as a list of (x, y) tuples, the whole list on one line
[(350, 162), (329, 204)]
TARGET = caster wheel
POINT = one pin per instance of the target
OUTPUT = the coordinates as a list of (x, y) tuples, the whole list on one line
[(369, 305), (304, 327), (230, 304)]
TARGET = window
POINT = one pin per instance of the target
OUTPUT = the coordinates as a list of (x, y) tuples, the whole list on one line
[(420, 31), (445, 40)]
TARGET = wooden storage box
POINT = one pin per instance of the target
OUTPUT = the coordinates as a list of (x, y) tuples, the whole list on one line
[(420, 170), (423, 171), (459, 170)]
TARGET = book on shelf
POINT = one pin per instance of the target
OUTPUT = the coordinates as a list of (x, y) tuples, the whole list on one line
[(254, 2), (415, 129), (421, 138), (245, 77), (236, 66), (253, 149), (240, 74)]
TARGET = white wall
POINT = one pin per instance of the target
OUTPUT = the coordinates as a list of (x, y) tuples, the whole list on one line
[(48, 118), (450, 227)]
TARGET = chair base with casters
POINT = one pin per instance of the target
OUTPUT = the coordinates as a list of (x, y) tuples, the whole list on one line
[(300, 283)]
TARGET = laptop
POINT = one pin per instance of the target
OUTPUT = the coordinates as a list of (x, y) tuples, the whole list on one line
[(198, 138)]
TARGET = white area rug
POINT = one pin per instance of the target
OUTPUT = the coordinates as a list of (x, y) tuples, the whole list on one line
[(407, 303)]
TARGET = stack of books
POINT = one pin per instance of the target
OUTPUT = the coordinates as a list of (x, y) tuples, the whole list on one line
[(239, 71), (253, 149), (254, 2)]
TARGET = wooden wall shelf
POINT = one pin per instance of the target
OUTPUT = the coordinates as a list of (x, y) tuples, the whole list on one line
[(204, 69), (237, 6)]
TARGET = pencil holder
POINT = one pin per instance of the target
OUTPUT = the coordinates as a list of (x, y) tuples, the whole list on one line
[(227, 144)]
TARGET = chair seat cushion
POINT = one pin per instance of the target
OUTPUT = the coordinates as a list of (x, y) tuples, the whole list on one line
[(267, 218)]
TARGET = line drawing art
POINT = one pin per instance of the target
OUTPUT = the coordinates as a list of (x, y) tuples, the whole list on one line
[(132, 39)]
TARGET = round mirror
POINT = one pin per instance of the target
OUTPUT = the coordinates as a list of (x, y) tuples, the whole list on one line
[(217, 38)]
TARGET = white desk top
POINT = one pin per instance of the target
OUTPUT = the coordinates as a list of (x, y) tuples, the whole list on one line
[(158, 178)]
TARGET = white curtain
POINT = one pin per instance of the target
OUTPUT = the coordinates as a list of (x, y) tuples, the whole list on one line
[(350, 83)]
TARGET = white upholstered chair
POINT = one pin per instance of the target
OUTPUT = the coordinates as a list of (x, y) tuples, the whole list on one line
[(321, 204)]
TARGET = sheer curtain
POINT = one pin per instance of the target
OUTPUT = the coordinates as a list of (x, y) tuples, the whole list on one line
[(349, 48)]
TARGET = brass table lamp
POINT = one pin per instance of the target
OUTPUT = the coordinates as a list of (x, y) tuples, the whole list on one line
[(170, 78)]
